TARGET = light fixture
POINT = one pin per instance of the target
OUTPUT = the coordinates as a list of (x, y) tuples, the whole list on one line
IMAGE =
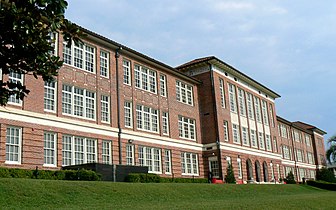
[(130, 141)]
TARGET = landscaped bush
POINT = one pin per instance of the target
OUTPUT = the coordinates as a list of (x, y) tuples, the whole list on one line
[(290, 178), (230, 177), (154, 178), (322, 185), (324, 174)]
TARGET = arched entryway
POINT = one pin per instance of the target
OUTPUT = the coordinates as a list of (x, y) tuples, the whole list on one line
[(257, 170), (265, 171), (249, 169)]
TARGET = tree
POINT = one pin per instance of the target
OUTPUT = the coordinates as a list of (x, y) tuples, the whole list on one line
[(324, 174), (331, 152), (230, 178), (290, 178), (26, 28)]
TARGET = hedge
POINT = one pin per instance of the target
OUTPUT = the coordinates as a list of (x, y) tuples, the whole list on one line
[(154, 178), (322, 185), (82, 174)]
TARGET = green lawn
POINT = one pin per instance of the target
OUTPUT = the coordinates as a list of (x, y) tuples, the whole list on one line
[(48, 194)]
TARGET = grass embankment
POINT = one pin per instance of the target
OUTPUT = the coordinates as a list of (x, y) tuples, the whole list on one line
[(48, 194)]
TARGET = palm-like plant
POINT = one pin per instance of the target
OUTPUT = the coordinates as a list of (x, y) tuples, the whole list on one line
[(331, 152)]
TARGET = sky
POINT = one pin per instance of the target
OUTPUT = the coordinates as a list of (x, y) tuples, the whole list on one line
[(288, 46)]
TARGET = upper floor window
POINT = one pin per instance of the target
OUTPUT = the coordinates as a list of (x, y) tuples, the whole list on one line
[(245, 137), (226, 131), (271, 115), (275, 147), (222, 92), (232, 98), (264, 112), (145, 78), (257, 109), (147, 118), (296, 135), (241, 100), (128, 115), (235, 133), (286, 154), (105, 108), (261, 140), (283, 130), (18, 79), (127, 72), (184, 93), (163, 85), (50, 96), (254, 142), (104, 63), (308, 141), (53, 42), (165, 123), (268, 143), (250, 110), (80, 55), (186, 128)]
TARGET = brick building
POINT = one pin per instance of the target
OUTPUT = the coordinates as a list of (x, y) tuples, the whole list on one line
[(111, 104)]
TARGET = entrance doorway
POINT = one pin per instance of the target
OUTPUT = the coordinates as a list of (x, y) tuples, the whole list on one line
[(265, 171), (257, 170), (249, 169), (214, 167)]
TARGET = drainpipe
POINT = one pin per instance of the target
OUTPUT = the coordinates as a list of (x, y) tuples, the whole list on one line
[(117, 55), (219, 157)]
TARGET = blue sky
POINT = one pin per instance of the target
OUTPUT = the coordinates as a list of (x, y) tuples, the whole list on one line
[(289, 46)]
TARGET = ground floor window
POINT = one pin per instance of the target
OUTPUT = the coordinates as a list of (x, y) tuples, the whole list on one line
[(129, 154), (167, 161), (106, 152), (50, 148), (150, 157), (189, 163), (240, 171), (13, 145)]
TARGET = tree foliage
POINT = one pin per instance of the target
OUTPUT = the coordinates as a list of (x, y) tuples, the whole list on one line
[(230, 178), (324, 174), (331, 152), (26, 43), (290, 178)]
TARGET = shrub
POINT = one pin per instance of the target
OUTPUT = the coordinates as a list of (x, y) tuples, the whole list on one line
[(4, 173), (324, 174), (147, 178), (230, 178), (290, 178), (322, 185)]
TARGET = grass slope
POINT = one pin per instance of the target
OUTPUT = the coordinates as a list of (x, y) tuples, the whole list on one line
[(48, 194)]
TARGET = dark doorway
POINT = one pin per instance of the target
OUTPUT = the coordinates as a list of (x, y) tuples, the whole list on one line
[(265, 171), (257, 170), (249, 169)]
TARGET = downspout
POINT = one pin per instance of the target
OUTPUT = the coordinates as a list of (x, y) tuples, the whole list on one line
[(117, 55), (294, 153), (219, 156)]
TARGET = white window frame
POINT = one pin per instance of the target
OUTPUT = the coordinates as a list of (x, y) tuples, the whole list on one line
[(283, 130), (261, 140), (240, 170), (147, 119), (308, 140), (165, 123), (130, 154), (50, 147), (254, 139), (250, 107), (222, 92), (264, 112), (286, 153), (245, 136), (226, 130), (241, 100), (275, 144), (187, 128), (127, 72), (145, 78), (163, 85), (15, 78), (104, 63), (107, 152), (184, 93), (189, 164), (271, 112), (268, 143), (105, 108), (150, 157), (257, 109), (50, 96), (17, 146), (236, 133), (128, 114), (232, 98), (168, 162)]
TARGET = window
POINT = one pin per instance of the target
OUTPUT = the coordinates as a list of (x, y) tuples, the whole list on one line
[(186, 128), (283, 130), (128, 114), (264, 112), (105, 109), (275, 147), (50, 149), (253, 138), (235, 132), (167, 161), (296, 135), (104, 64), (232, 98), (150, 157), (189, 163), (145, 78), (165, 123), (129, 154), (246, 140), (240, 171), (163, 85), (13, 145), (299, 155), (272, 115), (78, 102), (127, 72), (222, 92), (257, 109), (226, 131), (78, 150), (16, 78), (147, 118), (310, 158), (308, 140), (214, 167), (241, 101), (80, 56), (268, 143), (106, 152), (261, 140), (184, 93), (50, 95), (250, 111), (53, 42), (286, 154)]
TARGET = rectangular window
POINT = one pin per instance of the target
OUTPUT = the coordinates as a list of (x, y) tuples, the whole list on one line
[(147, 118), (163, 85), (261, 140), (254, 142), (80, 56), (184, 93), (145, 78), (308, 141), (13, 145), (241, 101), (130, 154), (104, 64), (299, 155), (232, 98), (50, 149), (222, 92), (128, 114), (271, 115), (167, 161), (127, 72), (296, 135), (189, 164), (50, 95), (53, 40), (246, 140), (257, 109), (268, 143), (250, 110), (310, 159), (150, 157), (286, 154), (275, 145), (283, 130), (78, 150), (186, 128), (240, 171), (165, 123), (106, 152), (226, 131), (78, 102), (235, 132), (16, 78), (105, 109), (264, 112)]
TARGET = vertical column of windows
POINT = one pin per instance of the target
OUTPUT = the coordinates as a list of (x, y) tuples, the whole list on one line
[(268, 143), (245, 136), (254, 142), (264, 112), (257, 109), (241, 100), (232, 98), (250, 110), (240, 171), (261, 140), (235, 132), (222, 92), (271, 115)]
